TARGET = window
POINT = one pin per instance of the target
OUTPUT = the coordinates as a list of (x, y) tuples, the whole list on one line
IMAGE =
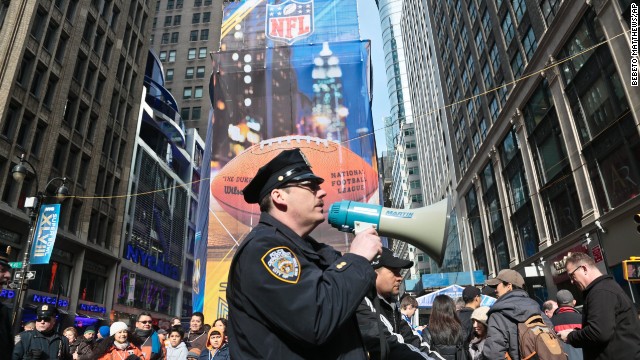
[(165, 39), (163, 56), (38, 24), (195, 114), (493, 108), (169, 76), (202, 53), (198, 92), (191, 54), (155, 22), (416, 198), (549, 9), (465, 36), (486, 75), (174, 37), (471, 64), (519, 8), (486, 22), (187, 92), (473, 12), (495, 58), (483, 128), (410, 144), (200, 72), (168, 20), (170, 4), (179, 4), (193, 35), (507, 29), (529, 43), (184, 113), (414, 170), (516, 65), (412, 157), (197, 3), (196, 18), (459, 50), (476, 141), (172, 56), (206, 17), (479, 43), (414, 184), (177, 20), (189, 73), (204, 34)]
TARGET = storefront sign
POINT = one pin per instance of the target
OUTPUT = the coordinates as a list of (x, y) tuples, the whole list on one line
[(558, 263), (49, 300), (7, 294), (151, 262), (91, 308), (597, 254)]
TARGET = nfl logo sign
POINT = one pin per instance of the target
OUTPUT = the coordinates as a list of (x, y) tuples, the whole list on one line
[(290, 21)]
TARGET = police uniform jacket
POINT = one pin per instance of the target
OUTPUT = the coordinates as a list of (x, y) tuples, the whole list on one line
[(53, 346), (294, 298)]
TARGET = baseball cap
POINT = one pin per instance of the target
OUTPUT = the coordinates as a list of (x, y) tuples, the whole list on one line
[(507, 275), (389, 260), (469, 293), (564, 297)]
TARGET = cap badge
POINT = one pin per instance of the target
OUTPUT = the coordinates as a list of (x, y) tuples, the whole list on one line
[(44, 307), (283, 264)]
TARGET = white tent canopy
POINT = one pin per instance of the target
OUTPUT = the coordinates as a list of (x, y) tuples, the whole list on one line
[(454, 292)]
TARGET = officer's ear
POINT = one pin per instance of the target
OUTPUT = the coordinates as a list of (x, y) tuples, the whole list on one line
[(279, 197)]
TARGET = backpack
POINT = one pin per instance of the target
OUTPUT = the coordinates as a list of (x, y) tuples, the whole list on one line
[(537, 341)]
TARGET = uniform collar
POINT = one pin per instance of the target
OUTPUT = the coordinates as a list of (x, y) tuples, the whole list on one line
[(308, 245)]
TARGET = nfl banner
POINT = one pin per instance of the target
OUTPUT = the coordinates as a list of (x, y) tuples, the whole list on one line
[(291, 73), (45, 236)]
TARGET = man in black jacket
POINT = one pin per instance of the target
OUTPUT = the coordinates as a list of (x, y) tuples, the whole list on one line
[(291, 297), (471, 297), (6, 340), (567, 317), (43, 340), (610, 325), (383, 330)]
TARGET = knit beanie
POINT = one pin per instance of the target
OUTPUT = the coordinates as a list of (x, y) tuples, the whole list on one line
[(104, 331), (116, 327), (480, 314)]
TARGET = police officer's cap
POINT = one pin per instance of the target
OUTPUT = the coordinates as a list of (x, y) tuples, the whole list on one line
[(46, 310), (289, 165)]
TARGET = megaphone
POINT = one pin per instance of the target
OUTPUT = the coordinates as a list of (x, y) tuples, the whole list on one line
[(425, 228)]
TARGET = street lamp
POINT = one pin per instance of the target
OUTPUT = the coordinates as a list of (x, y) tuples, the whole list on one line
[(19, 173)]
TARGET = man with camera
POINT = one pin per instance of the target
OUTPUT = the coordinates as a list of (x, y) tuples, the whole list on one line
[(43, 343)]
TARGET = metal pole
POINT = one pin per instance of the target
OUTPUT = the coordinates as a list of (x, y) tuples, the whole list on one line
[(17, 311)]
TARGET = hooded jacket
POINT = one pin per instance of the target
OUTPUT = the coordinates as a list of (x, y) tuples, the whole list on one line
[(610, 325), (177, 353), (210, 353), (502, 328)]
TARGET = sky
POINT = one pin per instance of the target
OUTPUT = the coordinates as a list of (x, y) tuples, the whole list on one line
[(370, 29)]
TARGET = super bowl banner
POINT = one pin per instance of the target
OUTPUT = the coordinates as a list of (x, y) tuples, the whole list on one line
[(288, 74), (45, 236)]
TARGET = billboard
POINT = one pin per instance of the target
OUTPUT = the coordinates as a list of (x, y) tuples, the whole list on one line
[(288, 74)]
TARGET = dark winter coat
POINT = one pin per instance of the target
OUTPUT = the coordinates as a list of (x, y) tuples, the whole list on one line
[(467, 325), (294, 298), (502, 328), (6, 339), (374, 325), (610, 325), (53, 346)]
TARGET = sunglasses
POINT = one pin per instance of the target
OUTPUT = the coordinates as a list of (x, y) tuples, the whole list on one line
[(311, 186), (44, 318), (145, 322)]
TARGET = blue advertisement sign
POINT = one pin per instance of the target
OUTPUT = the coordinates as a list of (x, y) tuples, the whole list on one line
[(46, 231)]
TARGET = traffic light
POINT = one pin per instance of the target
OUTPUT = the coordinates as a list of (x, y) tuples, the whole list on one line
[(636, 218)]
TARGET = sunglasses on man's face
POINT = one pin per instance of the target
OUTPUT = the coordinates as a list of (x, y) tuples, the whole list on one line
[(145, 322), (44, 318)]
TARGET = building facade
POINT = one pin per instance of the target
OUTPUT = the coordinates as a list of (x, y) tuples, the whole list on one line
[(544, 134), (183, 34), (159, 224), (69, 96)]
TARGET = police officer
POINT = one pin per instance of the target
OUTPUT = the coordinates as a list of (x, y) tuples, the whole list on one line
[(6, 340), (289, 296), (43, 343)]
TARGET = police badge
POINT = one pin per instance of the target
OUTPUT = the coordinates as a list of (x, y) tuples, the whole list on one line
[(282, 264)]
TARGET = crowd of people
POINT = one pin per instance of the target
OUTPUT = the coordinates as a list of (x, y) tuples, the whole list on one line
[(120, 341), (291, 297)]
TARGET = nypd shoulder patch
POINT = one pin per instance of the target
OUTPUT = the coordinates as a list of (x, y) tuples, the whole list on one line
[(283, 264)]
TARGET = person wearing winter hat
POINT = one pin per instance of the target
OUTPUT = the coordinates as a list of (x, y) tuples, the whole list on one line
[(217, 348), (87, 342), (479, 322), (118, 346), (177, 349), (103, 332), (193, 354)]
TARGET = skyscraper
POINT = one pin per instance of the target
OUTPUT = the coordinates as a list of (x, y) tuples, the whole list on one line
[(69, 99)]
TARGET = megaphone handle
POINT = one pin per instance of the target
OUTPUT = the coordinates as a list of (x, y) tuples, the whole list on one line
[(360, 226)]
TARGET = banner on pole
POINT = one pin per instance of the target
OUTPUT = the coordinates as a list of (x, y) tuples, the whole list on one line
[(45, 235)]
